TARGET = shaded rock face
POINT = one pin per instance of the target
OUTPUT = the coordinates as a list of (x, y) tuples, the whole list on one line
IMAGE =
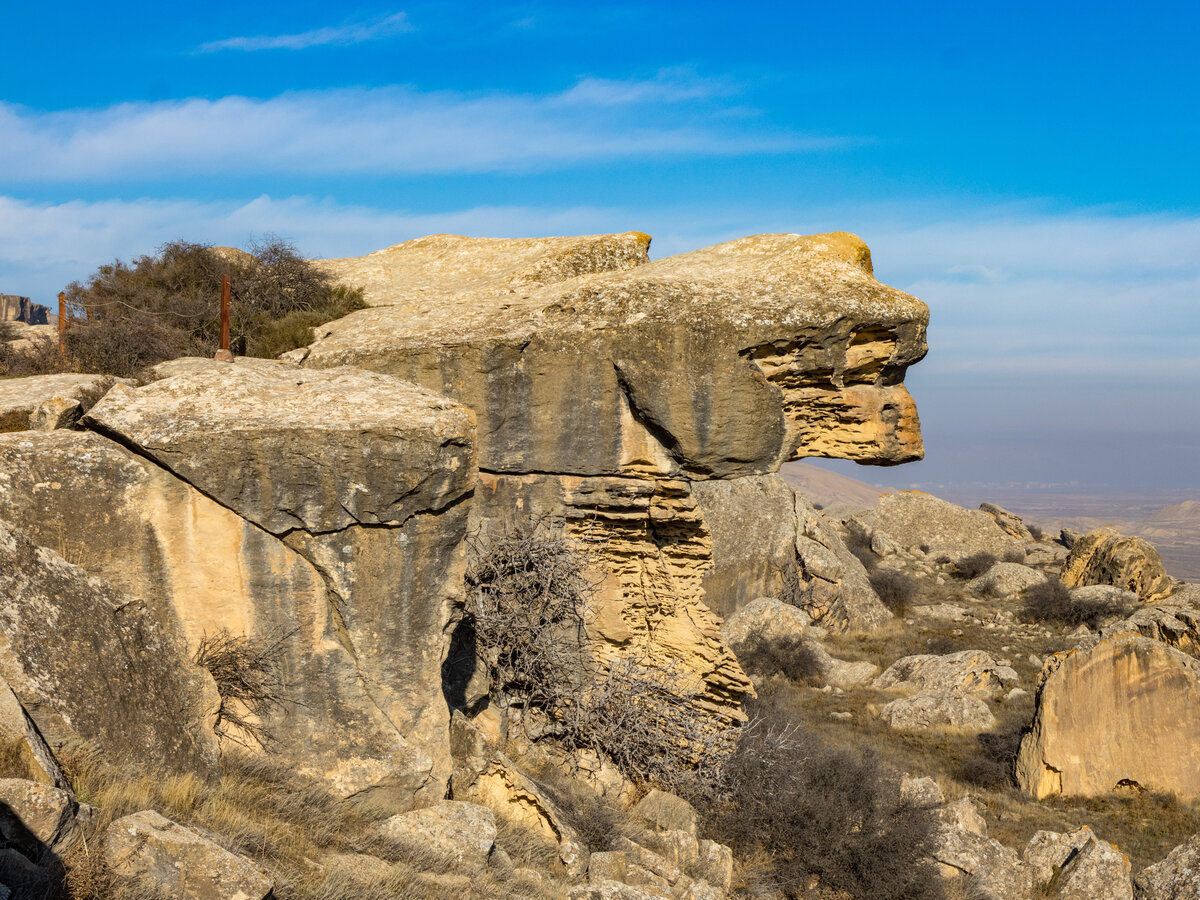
[(68, 639), (1105, 556), (1121, 712), (362, 587), (15, 308), (1176, 626), (614, 391), (726, 361)]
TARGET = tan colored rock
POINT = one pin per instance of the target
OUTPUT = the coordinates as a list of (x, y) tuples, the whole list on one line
[(1175, 626), (1105, 556), (764, 619), (938, 709), (41, 821), (667, 812), (453, 832), (1005, 579), (17, 729), (201, 568), (67, 639), (290, 449), (514, 797), (913, 518), (963, 849), (146, 848), (762, 529), (1076, 866), (1008, 521), (965, 672), (1175, 878), (724, 361), (1121, 712), (20, 398)]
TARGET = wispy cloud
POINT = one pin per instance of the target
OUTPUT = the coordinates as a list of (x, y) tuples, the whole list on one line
[(393, 130), (336, 35)]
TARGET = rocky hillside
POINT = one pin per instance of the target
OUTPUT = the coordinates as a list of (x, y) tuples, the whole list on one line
[(495, 590)]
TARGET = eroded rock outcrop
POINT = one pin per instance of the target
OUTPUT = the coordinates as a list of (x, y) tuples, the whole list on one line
[(87, 661), (914, 519), (1105, 556), (324, 510), (1122, 712), (636, 398)]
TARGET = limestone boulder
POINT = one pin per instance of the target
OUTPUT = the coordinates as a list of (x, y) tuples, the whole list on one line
[(67, 639), (453, 832), (1175, 626), (1005, 579), (912, 518), (1105, 556), (1119, 713), (20, 398), (42, 822), (18, 731), (289, 449), (1076, 866), (721, 362), (358, 716), (964, 851), (765, 619), (768, 540), (965, 672), (1009, 522), (938, 709), (667, 812), (1175, 878), (148, 850)]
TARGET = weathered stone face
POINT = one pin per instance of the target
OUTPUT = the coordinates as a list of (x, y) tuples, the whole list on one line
[(722, 362), (1105, 556), (362, 705), (88, 661), (1123, 711), (913, 518)]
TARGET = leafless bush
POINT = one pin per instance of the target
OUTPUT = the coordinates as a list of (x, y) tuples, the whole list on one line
[(1050, 601), (895, 589), (792, 657), (975, 565), (530, 589), (249, 676), (818, 810), (530, 593)]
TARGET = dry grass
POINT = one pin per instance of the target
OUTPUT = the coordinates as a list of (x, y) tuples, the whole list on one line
[(291, 827)]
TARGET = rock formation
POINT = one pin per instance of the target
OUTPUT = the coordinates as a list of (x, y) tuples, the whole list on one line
[(910, 519), (1123, 712), (1105, 556), (14, 308), (636, 400)]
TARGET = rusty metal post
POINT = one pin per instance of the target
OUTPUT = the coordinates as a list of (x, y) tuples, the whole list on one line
[(224, 354), (62, 323)]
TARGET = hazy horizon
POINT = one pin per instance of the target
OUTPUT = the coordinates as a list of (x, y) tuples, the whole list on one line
[(1026, 171)]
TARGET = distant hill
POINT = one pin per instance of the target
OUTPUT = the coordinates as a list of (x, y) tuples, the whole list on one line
[(826, 488)]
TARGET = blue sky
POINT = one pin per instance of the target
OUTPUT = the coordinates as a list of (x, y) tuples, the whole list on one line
[(1029, 170)]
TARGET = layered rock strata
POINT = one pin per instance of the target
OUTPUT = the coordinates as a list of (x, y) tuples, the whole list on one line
[(631, 395), (1105, 556)]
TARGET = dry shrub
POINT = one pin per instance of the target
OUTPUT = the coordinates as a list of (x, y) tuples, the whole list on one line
[(126, 317), (823, 811), (792, 657), (895, 589), (530, 593), (975, 565), (249, 676), (1050, 602)]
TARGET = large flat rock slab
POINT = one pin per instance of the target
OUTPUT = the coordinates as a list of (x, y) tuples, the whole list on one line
[(20, 397), (1125, 711), (725, 361), (288, 449)]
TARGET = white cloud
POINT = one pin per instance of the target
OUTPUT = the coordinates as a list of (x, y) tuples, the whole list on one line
[(339, 35), (392, 130)]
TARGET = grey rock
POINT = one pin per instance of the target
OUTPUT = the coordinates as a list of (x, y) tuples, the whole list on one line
[(938, 709), (455, 833), (1005, 579), (965, 672), (1076, 866), (1175, 878)]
